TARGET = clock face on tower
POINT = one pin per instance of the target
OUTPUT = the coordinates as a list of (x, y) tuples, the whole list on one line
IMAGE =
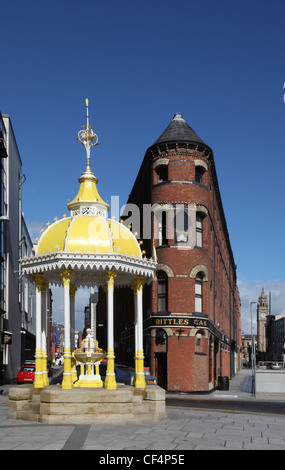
[(263, 315)]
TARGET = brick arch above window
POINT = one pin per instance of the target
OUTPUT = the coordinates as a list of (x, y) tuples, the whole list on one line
[(202, 164), (194, 332), (168, 331), (200, 269), (160, 162), (201, 209), (165, 268)]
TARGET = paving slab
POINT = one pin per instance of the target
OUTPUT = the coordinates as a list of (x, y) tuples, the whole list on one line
[(183, 431)]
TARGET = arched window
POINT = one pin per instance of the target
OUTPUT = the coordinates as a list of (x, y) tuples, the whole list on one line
[(199, 293), (199, 172), (162, 173), (160, 167), (200, 216), (162, 292), (198, 338), (199, 230), (161, 226), (182, 225), (199, 341), (164, 239)]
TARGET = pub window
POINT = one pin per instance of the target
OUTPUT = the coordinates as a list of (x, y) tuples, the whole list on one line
[(162, 292), (198, 293)]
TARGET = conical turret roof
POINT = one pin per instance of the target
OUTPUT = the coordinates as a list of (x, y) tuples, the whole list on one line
[(178, 131)]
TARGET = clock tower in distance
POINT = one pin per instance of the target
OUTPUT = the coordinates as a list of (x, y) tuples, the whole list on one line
[(262, 314)]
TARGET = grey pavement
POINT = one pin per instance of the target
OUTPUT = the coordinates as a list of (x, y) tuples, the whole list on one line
[(185, 429)]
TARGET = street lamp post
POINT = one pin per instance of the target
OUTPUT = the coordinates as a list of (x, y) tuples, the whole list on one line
[(252, 352)]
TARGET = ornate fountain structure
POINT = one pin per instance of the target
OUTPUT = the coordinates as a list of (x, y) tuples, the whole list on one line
[(87, 249), (89, 356)]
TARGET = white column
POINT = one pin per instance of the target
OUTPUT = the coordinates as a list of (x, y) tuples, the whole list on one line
[(93, 313), (110, 380), (139, 326), (38, 380), (139, 381), (38, 318), (67, 382), (44, 332), (72, 316)]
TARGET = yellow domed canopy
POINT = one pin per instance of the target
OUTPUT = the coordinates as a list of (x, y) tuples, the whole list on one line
[(88, 234)]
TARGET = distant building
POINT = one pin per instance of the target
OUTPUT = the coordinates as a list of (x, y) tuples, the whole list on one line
[(26, 301), (279, 337), (246, 349), (90, 313), (17, 300), (262, 316), (4, 337), (55, 341), (270, 331)]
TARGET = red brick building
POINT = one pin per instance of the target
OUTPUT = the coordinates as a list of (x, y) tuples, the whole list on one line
[(192, 308)]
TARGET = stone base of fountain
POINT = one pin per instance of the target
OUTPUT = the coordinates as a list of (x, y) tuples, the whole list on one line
[(54, 405)]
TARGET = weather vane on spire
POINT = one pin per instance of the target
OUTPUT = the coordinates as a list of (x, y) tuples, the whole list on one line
[(87, 136)]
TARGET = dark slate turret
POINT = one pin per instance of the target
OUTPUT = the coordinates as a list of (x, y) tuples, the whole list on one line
[(178, 131)]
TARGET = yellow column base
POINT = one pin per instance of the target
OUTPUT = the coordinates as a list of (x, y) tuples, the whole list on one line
[(38, 379), (110, 379), (73, 370), (139, 379), (45, 378), (110, 382), (44, 368), (74, 376), (67, 383)]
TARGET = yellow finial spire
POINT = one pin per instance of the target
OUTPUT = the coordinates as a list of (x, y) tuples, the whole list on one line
[(88, 192), (87, 136), (87, 113)]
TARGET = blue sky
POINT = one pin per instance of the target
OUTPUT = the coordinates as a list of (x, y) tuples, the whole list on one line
[(220, 63)]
